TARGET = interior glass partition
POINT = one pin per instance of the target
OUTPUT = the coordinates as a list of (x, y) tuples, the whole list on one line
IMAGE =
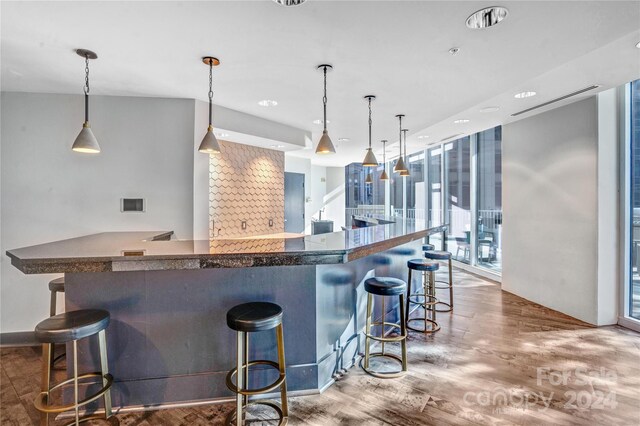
[(489, 199), (457, 190)]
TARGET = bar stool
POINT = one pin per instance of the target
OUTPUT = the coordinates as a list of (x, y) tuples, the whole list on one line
[(252, 318), (428, 293), (427, 247), (71, 327), (55, 286), (443, 255), (385, 286)]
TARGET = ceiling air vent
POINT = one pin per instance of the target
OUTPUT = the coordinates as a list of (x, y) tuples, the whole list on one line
[(561, 98)]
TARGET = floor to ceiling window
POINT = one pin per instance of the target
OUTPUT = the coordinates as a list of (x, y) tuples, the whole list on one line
[(634, 120), (396, 184), (361, 197), (457, 190), (415, 186), (434, 187), (489, 198)]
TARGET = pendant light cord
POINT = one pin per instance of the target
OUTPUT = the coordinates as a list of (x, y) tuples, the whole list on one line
[(210, 91), (324, 99), (86, 89), (369, 123), (384, 154), (400, 120)]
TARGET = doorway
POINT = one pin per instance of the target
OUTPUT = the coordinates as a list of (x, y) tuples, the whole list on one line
[(293, 202)]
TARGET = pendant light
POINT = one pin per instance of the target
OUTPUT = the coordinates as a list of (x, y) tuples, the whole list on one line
[(86, 142), (325, 146), (209, 144), (384, 175), (400, 166), (368, 180), (405, 172), (370, 159)]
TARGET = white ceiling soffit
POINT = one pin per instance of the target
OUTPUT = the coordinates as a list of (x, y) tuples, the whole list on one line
[(397, 51)]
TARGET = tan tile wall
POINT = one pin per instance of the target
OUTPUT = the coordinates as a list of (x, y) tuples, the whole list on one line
[(246, 183)]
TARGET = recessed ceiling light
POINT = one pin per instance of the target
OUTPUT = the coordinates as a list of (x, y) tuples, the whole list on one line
[(423, 137), (268, 103), (523, 95), (638, 45), (277, 146), (454, 50), (487, 17), (343, 139), (289, 2), (221, 135), (318, 121), (490, 109), (461, 121)]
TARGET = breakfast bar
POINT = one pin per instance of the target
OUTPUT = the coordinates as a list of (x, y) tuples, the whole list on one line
[(168, 341)]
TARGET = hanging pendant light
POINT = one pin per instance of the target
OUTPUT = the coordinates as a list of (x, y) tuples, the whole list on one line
[(86, 142), (368, 180), (400, 166), (325, 146), (370, 159), (384, 175), (406, 171), (209, 144)]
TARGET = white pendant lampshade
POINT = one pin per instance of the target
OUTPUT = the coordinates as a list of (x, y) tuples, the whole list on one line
[(370, 159), (325, 146), (400, 165), (384, 175), (368, 179), (209, 144), (86, 142)]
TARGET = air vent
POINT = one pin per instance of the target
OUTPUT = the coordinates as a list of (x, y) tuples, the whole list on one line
[(132, 204), (552, 101)]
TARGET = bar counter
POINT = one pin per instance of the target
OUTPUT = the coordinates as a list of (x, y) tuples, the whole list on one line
[(168, 341)]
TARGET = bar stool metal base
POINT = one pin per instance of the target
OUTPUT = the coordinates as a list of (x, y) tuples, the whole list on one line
[(428, 304), (284, 420)]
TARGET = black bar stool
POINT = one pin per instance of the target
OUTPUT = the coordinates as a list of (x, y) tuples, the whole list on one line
[(71, 327), (385, 286), (252, 318), (428, 270), (443, 255), (427, 247), (55, 286)]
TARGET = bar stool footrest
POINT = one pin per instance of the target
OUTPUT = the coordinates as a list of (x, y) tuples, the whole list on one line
[(231, 417), (379, 374), (278, 382), (450, 308), (433, 300), (434, 325), (113, 420), (45, 408)]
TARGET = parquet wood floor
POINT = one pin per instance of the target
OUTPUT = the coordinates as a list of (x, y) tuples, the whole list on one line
[(498, 360)]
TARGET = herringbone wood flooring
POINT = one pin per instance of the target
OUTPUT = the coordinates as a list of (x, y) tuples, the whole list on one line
[(482, 368)]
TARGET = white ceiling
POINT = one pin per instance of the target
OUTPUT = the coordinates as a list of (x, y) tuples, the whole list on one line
[(397, 50)]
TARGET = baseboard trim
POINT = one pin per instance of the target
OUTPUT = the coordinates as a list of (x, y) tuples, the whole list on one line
[(479, 272)]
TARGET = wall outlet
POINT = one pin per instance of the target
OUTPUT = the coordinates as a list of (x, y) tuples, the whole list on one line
[(243, 224), (270, 222)]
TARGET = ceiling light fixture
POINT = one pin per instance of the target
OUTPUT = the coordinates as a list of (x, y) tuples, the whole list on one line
[(405, 172), (370, 159), (221, 135), (423, 137), (487, 17), (490, 109), (289, 2), (399, 167), (454, 51), (638, 45), (368, 180), (526, 94), (344, 140), (461, 121), (325, 146), (318, 121), (384, 175), (86, 142), (209, 144), (268, 103)]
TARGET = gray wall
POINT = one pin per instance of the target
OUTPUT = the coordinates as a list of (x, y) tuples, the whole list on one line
[(51, 193), (550, 201)]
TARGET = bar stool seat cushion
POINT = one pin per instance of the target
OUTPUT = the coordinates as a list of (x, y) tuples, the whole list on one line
[(385, 286), (428, 247), (437, 255), (422, 265), (57, 285), (403, 251), (73, 325), (254, 316)]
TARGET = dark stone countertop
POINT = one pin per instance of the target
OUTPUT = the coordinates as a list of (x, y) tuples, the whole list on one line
[(144, 251)]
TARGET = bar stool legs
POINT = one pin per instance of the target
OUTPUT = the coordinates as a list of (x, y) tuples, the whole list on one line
[(383, 286), (244, 319), (437, 255), (429, 303)]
